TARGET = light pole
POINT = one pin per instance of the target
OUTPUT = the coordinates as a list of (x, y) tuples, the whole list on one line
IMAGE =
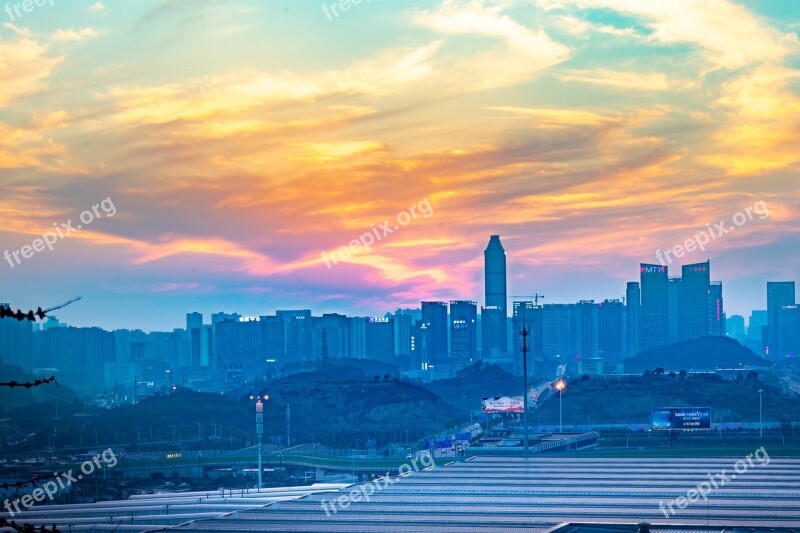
[(761, 413), (259, 430), (560, 386), (524, 333)]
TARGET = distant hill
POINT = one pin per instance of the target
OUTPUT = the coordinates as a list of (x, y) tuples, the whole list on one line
[(341, 406), (465, 390), (630, 399), (706, 353)]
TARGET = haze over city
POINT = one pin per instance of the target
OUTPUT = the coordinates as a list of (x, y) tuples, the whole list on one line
[(588, 134)]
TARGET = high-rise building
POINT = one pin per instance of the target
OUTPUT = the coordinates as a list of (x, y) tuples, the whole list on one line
[(779, 295), (734, 327), (529, 316), (694, 317), (633, 302), (194, 327), (403, 323), (560, 330), (16, 341), (757, 331), (358, 341), (419, 348), (332, 336), (611, 331), (463, 333), (379, 338), (716, 310), (494, 314), (588, 334), (216, 318), (655, 306), (434, 317), (79, 355), (297, 334), (789, 334)]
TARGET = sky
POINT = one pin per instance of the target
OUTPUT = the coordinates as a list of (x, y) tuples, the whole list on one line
[(216, 150)]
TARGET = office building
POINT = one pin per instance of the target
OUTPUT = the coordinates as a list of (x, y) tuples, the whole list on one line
[(379, 338), (297, 334), (734, 327), (587, 331), (463, 333), (779, 295), (529, 316), (716, 310), (403, 324), (789, 333), (655, 306), (434, 317), (693, 321), (494, 313), (611, 331), (633, 303)]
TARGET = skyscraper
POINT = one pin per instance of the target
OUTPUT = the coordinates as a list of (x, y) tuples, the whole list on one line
[(588, 334), (494, 314), (194, 327), (434, 319), (693, 321), (529, 316), (611, 329), (779, 295), (379, 338), (463, 333), (655, 306), (633, 301), (297, 334), (789, 334), (403, 323), (716, 310)]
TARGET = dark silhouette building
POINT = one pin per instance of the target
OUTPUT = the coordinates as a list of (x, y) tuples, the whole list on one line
[(779, 295), (633, 303), (434, 327), (655, 306), (463, 333), (494, 314), (695, 288)]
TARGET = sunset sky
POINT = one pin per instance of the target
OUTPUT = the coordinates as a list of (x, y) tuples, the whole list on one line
[(238, 140)]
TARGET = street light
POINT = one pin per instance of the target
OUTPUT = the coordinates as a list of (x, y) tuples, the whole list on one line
[(560, 385), (259, 429), (761, 413)]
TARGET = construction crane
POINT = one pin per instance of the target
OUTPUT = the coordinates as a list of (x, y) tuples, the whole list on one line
[(534, 297)]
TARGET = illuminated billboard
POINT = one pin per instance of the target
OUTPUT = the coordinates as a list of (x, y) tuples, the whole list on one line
[(681, 418), (503, 404)]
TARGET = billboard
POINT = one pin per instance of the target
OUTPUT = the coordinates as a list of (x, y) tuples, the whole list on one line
[(681, 418), (503, 404)]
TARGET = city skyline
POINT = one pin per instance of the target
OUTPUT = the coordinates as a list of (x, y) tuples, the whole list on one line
[(590, 134)]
